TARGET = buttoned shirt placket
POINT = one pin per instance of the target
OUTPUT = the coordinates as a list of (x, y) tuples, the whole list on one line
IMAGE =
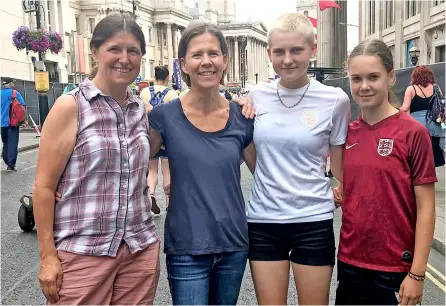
[(123, 183)]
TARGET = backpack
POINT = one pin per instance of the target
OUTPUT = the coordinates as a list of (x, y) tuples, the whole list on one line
[(436, 109), (16, 111), (157, 98)]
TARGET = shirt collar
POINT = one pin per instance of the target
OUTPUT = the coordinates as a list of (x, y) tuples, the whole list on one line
[(90, 92)]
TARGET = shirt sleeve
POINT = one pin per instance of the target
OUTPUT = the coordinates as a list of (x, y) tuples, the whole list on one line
[(20, 98), (156, 119), (340, 119), (249, 132), (421, 157)]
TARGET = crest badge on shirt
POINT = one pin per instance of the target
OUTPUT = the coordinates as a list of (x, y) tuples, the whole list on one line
[(309, 118), (385, 146)]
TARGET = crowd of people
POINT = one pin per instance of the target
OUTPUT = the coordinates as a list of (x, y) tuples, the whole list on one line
[(98, 168)]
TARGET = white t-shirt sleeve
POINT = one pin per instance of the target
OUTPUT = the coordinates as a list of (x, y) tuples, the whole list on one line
[(340, 119)]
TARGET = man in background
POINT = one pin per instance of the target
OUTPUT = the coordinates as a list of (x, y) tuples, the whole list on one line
[(10, 134)]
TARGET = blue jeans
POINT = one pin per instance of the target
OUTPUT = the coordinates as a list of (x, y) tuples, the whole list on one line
[(213, 279), (10, 139)]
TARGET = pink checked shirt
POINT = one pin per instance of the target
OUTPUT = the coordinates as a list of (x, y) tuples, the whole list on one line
[(104, 191)]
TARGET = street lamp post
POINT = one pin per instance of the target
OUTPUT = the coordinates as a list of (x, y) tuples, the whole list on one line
[(414, 53), (30, 6)]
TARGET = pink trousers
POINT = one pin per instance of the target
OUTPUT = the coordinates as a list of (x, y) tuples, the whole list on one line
[(127, 279)]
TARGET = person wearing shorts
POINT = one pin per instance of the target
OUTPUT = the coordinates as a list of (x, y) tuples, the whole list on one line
[(290, 213)]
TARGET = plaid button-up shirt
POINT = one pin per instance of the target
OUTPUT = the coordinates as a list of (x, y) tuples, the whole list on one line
[(104, 188)]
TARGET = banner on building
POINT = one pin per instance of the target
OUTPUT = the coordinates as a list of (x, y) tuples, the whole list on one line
[(177, 73)]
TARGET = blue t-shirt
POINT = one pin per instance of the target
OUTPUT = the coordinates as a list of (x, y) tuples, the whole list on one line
[(206, 208), (6, 94)]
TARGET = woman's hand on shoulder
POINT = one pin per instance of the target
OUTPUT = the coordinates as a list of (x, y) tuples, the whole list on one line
[(248, 110)]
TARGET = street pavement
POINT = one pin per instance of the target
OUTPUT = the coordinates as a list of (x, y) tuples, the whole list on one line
[(20, 259)]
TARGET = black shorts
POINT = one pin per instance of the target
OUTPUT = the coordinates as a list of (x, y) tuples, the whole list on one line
[(359, 286), (309, 243), (161, 154)]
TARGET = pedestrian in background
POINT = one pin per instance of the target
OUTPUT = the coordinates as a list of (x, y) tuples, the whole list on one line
[(388, 211), (98, 243), (157, 94), (419, 98), (10, 133)]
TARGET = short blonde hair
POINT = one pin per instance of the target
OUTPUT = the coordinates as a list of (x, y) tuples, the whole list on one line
[(293, 22)]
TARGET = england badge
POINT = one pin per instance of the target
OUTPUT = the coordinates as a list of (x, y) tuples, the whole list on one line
[(385, 146)]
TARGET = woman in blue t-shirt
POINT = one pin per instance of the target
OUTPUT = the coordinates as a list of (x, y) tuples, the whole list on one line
[(206, 136)]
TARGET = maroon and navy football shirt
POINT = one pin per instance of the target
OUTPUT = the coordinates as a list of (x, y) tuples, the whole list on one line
[(382, 164)]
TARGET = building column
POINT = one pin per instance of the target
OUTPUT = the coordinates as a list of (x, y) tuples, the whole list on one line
[(262, 62), (262, 58), (175, 41), (254, 53), (55, 22), (248, 62), (169, 47), (161, 46), (156, 46), (228, 69), (425, 40), (399, 11), (265, 63), (332, 36), (259, 69), (236, 60)]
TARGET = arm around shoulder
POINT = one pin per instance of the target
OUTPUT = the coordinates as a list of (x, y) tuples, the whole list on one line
[(156, 130)]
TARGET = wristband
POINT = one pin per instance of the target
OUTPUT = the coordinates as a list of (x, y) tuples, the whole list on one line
[(418, 278)]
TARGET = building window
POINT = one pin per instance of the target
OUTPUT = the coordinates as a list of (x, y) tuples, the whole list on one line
[(143, 69), (440, 54), (389, 19), (92, 24), (49, 15), (150, 35), (158, 35), (392, 50), (152, 69), (371, 17), (78, 25), (412, 8), (164, 38)]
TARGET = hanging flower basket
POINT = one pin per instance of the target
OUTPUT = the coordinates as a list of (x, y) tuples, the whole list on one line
[(20, 38), (56, 43), (37, 40)]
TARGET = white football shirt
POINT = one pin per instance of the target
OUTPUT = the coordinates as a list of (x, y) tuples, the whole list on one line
[(289, 183)]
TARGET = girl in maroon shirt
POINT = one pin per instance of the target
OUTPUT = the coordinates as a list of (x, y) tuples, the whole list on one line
[(388, 212)]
